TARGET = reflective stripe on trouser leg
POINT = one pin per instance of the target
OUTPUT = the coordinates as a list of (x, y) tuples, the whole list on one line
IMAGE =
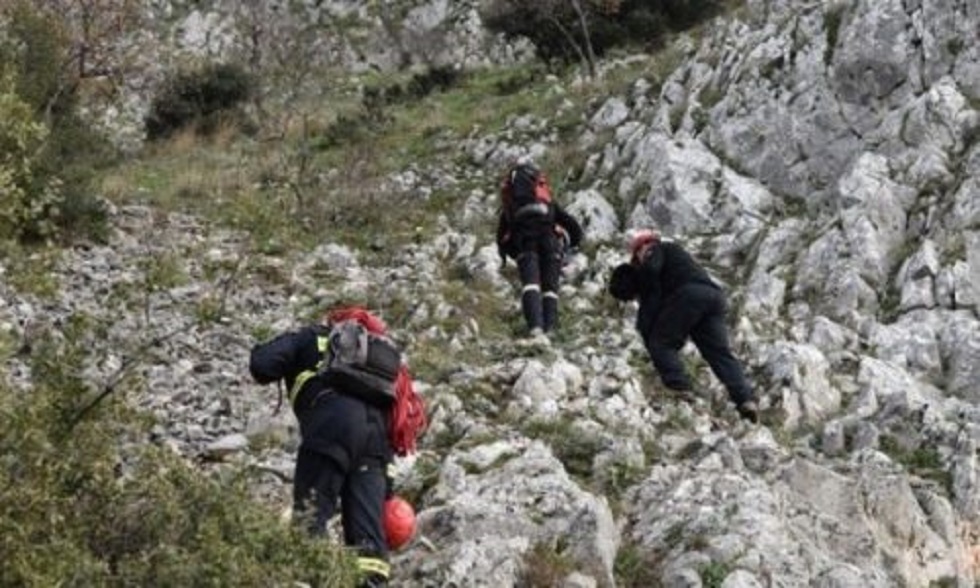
[(531, 306), (373, 566), (549, 308)]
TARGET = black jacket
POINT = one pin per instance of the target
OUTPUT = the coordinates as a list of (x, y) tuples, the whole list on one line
[(329, 420), (285, 357), (510, 231), (666, 268)]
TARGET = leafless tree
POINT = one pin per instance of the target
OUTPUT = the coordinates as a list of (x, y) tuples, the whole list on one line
[(95, 33), (96, 30)]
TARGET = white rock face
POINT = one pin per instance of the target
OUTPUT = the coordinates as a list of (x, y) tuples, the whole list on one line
[(821, 159)]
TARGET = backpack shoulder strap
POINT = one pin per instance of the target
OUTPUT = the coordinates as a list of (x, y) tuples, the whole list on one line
[(323, 348)]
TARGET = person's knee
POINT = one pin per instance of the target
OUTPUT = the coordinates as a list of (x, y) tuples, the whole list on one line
[(659, 342)]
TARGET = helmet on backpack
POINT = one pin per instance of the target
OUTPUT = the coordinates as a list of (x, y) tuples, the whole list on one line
[(525, 188), (399, 522)]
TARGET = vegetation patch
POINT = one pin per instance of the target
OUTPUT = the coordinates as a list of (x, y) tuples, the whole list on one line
[(571, 446), (48, 154), (714, 573), (202, 99), (919, 460), (546, 565), (638, 567), (31, 270), (82, 504)]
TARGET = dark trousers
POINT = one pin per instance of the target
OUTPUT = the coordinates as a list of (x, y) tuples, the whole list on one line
[(343, 457), (318, 485), (696, 311), (539, 267)]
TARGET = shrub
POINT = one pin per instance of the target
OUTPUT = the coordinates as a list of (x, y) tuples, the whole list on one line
[(439, 78), (25, 198), (48, 189), (555, 31), (89, 505), (201, 99)]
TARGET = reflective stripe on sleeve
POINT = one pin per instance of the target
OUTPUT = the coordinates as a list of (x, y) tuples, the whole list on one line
[(322, 345)]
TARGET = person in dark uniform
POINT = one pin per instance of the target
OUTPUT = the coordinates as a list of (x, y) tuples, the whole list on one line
[(344, 451), (679, 300), (537, 233)]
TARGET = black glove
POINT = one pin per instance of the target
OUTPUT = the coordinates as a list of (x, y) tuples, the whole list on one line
[(622, 282)]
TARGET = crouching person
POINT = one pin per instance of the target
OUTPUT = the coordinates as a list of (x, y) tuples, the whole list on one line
[(679, 301), (343, 376)]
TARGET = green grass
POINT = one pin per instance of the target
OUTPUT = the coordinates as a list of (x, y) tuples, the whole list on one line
[(638, 567), (30, 270), (546, 566), (714, 573), (573, 448), (290, 192)]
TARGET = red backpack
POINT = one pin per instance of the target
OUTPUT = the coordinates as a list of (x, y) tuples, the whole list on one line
[(525, 190)]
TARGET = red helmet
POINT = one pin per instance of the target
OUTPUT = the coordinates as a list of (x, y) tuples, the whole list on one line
[(399, 522), (641, 239)]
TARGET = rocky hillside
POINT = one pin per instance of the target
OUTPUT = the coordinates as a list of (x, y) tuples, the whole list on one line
[(822, 159)]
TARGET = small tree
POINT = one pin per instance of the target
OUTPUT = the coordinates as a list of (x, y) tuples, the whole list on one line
[(26, 198), (96, 31), (556, 27), (60, 161)]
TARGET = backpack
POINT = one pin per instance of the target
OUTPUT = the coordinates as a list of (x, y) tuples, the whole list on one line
[(525, 192), (369, 366), (361, 363)]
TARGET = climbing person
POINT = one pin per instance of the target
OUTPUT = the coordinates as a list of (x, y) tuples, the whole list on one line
[(679, 300), (537, 233), (356, 405)]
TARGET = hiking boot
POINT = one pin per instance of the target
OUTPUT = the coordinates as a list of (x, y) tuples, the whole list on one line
[(535, 339), (684, 393), (749, 411)]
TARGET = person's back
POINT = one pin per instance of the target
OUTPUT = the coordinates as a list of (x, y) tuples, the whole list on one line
[(679, 300), (674, 267), (346, 442), (533, 229)]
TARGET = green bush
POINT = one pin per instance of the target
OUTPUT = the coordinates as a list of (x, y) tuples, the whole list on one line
[(91, 505), (555, 30), (49, 153), (202, 99), (420, 85), (25, 197), (433, 79)]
